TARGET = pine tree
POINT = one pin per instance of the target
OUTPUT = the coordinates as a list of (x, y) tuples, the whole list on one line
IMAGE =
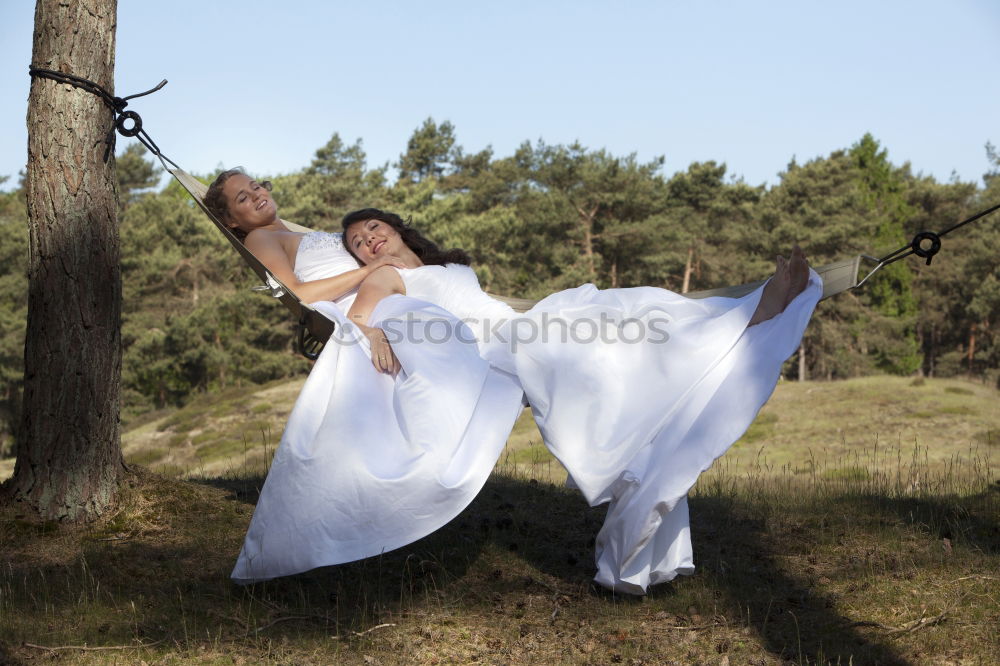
[(891, 296), (69, 459)]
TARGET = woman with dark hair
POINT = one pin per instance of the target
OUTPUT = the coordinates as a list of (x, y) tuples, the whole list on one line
[(635, 391), (425, 249), (368, 461), (313, 265)]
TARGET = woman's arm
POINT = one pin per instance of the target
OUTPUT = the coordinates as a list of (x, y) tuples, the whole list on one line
[(268, 248), (380, 284)]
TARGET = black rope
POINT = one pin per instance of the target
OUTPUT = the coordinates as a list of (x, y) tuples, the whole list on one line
[(121, 118), (917, 247)]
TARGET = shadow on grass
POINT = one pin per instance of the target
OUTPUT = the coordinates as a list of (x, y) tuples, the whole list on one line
[(973, 520), (739, 558), (774, 564), (518, 537), (553, 530), (739, 572)]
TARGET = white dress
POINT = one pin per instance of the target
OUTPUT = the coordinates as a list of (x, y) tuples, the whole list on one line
[(635, 391), (368, 463)]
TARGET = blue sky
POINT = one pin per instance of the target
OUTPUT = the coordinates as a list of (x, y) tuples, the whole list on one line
[(751, 84)]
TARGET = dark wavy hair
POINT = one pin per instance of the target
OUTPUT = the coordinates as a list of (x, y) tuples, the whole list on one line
[(426, 250), (215, 199)]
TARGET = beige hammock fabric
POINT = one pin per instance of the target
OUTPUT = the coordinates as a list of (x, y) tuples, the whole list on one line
[(314, 328)]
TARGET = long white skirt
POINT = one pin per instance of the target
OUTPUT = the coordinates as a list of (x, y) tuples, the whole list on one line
[(368, 463), (636, 412)]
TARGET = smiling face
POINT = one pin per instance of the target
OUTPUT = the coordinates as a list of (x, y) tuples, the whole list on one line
[(249, 204), (371, 239)]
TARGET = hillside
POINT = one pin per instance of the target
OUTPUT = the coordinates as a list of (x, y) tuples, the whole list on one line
[(832, 427), (833, 424), (804, 427)]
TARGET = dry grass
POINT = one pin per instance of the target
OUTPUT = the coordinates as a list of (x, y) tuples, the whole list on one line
[(804, 422), (879, 556), (806, 426), (790, 571)]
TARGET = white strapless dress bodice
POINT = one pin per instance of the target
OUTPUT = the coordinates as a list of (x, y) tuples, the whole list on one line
[(321, 254), (455, 288)]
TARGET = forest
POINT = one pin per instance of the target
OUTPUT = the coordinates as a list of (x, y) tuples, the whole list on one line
[(546, 218)]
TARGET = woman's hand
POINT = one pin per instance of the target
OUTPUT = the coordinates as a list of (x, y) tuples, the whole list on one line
[(383, 358)]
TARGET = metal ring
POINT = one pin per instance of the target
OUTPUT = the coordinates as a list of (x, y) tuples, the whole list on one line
[(128, 131), (922, 252)]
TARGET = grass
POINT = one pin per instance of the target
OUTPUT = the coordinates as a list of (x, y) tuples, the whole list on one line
[(881, 552), (236, 432), (835, 420), (854, 567), (231, 433)]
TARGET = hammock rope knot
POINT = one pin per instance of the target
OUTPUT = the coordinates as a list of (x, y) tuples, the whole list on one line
[(120, 117)]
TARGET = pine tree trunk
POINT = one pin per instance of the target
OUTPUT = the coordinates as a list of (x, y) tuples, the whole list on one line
[(588, 245), (932, 352), (587, 226), (688, 267), (69, 459), (972, 348)]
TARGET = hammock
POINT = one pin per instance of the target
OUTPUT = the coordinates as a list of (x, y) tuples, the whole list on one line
[(314, 328)]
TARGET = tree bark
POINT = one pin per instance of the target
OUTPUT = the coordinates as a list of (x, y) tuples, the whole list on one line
[(972, 349), (932, 356), (69, 460), (587, 224), (802, 362), (688, 267)]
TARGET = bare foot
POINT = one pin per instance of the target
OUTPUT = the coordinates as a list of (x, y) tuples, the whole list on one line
[(798, 269), (790, 279), (775, 296)]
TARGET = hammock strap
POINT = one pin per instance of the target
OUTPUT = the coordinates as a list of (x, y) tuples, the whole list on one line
[(126, 123), (925, 244)]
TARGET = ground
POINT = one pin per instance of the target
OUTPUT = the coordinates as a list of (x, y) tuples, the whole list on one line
[(881, 551)]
